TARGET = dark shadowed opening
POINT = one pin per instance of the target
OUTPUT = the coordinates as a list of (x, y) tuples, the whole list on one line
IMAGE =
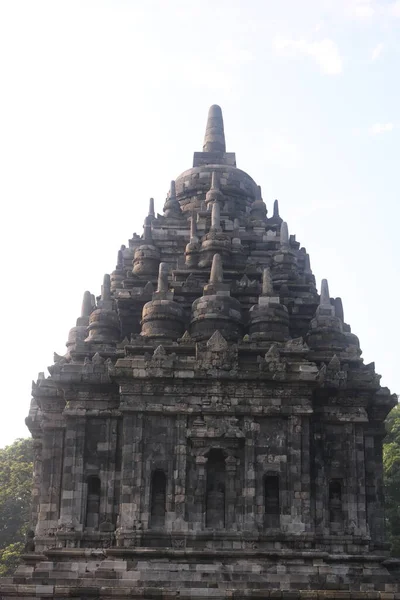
[(215, 490), (271, 501), (335, 503), (158, 498), (93, 502)]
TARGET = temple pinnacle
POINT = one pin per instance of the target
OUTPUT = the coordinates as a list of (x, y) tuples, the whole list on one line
[(86, 304), (324, 298), (120, 260), (216, 275), (151, 208), (214, 194), (106, 288), (276, 208), (284, 235), (267, 285), (214, 139), (215, 216), (162, 286)]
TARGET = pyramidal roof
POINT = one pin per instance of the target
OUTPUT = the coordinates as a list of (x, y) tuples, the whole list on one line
[(218, 259)]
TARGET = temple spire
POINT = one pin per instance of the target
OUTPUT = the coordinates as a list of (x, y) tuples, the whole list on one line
[(216, 275), (151, 208), (215, 217), (214, 194), (324, 298), (106, 288), (214, 139), (86, 304), (284, 235), (276, 208), (162, 286), (172, 207), (267, 285)]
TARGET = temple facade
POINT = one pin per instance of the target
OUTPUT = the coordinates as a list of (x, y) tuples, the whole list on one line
[(212, 430)]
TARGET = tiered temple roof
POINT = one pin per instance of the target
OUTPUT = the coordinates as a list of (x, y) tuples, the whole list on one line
[(212, 428)]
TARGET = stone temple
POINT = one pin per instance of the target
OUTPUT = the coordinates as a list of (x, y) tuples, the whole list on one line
[(212, 430)]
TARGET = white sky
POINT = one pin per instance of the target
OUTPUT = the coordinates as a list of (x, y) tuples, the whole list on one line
[(102, 103)]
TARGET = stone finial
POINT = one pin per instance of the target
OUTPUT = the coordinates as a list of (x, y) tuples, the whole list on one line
[(214, 139), (307, 264), (163, 271), (86, 304), (324, 298), (338, 304), (217, 274), (214, 181), (193, 227), (325, 308), (106, 288), (214, 194), (284, 235), (147, 235), (120, 260), (258, 208), (192, 248), (151, 208), (215, 216), (276, 208), (267, 285), (172, 207)]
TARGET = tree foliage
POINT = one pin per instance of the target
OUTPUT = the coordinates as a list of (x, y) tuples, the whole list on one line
[(391, 465), (16, 463)]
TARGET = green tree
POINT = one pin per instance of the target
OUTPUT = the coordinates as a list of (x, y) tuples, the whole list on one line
[(16, 463), (391, 465)]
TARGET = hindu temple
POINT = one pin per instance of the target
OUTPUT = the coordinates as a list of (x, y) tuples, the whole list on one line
[(212, 430)]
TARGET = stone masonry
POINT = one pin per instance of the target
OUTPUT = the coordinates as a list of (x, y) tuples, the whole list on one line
[(212, 430)]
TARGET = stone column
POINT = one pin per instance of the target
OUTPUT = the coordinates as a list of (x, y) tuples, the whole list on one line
[(355, 483), (200, 494), (360, 479), (73, 485), (131, 473), (51, 480), (249, 477), (108, 474), (296, 522), (319, 480), (305, 473), (36, 480), (180, 473), (230, 487)]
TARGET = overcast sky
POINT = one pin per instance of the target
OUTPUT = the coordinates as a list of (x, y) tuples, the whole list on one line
[(102, 103)]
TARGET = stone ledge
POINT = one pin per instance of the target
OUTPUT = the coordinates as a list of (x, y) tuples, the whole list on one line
[(43, 591), (209, 553)]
